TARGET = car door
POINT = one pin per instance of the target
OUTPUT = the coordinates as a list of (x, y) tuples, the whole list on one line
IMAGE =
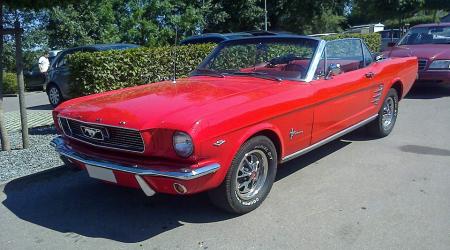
[(34, 78), (344, 99), (61, 76)]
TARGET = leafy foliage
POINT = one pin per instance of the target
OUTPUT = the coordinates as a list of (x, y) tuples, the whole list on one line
[(307, 16), (373, 40), (108, 70), (10, 83)]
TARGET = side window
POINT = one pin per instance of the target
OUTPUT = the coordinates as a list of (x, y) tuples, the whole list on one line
[(368, 58), (346, 52), (62, 60)]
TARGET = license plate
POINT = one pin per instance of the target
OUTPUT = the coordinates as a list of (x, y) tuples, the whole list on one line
[(101, 173)]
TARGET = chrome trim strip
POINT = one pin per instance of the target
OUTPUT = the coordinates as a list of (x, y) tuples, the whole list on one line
[(104, 125), (144, 186), (326, 140), (315, 61), (95, 123), (64, 150)]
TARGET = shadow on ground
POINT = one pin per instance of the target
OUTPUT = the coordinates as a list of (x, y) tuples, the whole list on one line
[(43, 130), (41, 107), (70, 202), (428, 91)]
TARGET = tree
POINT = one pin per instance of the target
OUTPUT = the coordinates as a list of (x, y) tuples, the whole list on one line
[(235, 15), (86, 22), (364, 11), (307, 16), (17, 4)]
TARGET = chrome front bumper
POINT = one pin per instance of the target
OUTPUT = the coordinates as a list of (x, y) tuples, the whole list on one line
[(184, 174)]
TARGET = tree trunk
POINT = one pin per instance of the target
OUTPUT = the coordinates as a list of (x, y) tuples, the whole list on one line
[(19, 66), (3, 133)]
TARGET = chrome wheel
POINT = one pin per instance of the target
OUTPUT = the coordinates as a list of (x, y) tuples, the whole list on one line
[(251, 174), (54, 96), (388, 113)]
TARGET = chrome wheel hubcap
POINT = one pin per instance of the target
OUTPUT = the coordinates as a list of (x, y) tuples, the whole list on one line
[(53, 95), (251, 174), (388, 113)]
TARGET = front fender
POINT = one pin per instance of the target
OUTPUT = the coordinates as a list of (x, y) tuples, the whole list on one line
[(225, 152)]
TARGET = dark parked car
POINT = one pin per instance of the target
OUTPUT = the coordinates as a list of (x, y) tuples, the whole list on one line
[(430, 43), (218, 37), (57, 85), (213, 38), (34, 79)]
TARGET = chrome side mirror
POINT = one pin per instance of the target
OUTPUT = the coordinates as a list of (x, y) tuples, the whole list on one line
[(379, 57), (333, 70)]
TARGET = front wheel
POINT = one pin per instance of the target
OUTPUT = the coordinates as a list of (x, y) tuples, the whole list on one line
[(387, 116), (249, 178)]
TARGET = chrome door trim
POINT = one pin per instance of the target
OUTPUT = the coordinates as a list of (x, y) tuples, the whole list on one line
[(328, 139)]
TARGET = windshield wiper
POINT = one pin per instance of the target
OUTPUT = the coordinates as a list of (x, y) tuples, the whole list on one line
[(207, 72), (258, 74)]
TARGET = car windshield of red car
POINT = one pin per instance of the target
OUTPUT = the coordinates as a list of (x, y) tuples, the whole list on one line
[(267, 59), (427, 35)]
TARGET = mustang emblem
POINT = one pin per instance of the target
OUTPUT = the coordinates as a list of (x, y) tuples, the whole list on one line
[(293, 133), (93, 133)]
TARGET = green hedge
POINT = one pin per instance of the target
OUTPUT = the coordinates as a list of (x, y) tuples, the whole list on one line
[(10, 83), (102, 71), (373, 40)]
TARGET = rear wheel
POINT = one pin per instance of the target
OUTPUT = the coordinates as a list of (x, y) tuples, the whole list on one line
[(387, 116), (249, 178), (54, 95)]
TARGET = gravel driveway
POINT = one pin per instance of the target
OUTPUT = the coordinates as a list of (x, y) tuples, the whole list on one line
[(38, 157)]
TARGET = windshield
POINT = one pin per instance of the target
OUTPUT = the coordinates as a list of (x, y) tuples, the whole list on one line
[(427, 35), (280, 59)]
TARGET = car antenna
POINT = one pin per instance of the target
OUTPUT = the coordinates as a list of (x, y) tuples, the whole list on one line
[(174, 56)]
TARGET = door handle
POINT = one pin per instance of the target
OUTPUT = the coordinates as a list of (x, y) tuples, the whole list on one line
[(370, 75)]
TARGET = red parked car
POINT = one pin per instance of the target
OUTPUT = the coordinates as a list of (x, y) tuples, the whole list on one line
[(431, 44), (252, 104)]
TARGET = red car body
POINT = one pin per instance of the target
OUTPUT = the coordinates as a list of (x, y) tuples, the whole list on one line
[(426, 53), (220, 114)]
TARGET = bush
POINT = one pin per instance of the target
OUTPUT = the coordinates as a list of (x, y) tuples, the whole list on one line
[(108, 70), (10, 83), (102, 71), (373, 40)]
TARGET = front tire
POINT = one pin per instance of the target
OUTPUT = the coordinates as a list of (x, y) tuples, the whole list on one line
[(54, 95), (249, 178), (387, 116)]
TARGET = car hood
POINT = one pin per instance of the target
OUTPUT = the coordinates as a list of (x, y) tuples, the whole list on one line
[(165, 104), (427, 51)]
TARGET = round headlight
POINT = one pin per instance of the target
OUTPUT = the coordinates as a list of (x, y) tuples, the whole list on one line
[(182, 144)]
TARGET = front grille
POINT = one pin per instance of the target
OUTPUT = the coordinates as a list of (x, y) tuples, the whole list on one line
[(422, 64), (102, 135)]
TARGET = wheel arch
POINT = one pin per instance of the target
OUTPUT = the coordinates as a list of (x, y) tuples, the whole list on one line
[(49, 84), (397, 84), (268, 130)]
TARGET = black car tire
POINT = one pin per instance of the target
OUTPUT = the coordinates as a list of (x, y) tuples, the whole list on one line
[(388, 112), (258, 151), (54, 95)]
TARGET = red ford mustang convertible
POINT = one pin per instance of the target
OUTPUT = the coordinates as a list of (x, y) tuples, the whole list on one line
[(251, 105)]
